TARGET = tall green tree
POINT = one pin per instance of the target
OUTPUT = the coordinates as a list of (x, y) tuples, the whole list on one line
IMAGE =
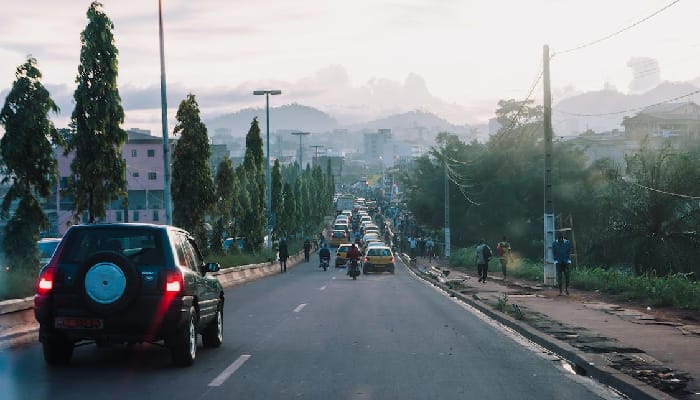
[(242, 201), (653, 219), (29, 163), (225, 182), (192, 186), (98, 172), (277, 200), (253, 222), (287, 220)]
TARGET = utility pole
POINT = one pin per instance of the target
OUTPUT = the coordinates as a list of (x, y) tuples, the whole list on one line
[(447, 210), (549, 225), (316, 147), (300, 134)]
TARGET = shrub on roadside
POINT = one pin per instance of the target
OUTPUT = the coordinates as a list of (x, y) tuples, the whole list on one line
[(675, 290), (16, 284)]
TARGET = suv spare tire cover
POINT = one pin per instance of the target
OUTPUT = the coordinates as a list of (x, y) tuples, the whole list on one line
[(108, 282)]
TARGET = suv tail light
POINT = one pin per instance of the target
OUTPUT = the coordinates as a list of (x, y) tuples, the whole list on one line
[(45, 283), (392, 259), (48, 275), (366, 259), (173, 281)]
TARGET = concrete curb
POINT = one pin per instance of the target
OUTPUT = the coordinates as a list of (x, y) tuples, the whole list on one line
[(593, 366), (18, 326)]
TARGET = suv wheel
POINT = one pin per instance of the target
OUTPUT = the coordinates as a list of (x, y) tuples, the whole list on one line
[(108, 282), (183, 345), (213, 335), (57, 350)]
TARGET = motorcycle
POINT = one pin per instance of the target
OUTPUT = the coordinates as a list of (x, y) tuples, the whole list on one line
[(324, 263), (354, 268)]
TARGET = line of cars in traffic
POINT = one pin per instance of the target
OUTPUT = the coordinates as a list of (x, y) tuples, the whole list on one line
[(377, 255)]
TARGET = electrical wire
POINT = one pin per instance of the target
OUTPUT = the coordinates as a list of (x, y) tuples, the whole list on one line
[(694, 92), (684, 196), (609, 36)]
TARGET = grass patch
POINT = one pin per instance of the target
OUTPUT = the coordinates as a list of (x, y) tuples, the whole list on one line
[(16, 284), (676, 290), (236, 258)]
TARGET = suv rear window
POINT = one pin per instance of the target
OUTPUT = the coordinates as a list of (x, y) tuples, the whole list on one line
[(143, 246)]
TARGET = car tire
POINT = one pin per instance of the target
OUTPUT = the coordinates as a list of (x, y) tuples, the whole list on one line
[(57, 350), (213, 335), (108, 282), (183, 344)]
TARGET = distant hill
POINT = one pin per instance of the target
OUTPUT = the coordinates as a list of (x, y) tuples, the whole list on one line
[(611, 102), (412, 120), (290, 117)]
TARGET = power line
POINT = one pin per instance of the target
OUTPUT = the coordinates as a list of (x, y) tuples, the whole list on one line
[(694, 92), (685, 196), (604, 38)]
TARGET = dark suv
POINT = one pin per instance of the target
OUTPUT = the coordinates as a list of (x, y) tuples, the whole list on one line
[(128, 283)]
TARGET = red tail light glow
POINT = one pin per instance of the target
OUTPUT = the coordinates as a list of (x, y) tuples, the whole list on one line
[(366, 259), (46, 281), (392, 259), (173, 282)]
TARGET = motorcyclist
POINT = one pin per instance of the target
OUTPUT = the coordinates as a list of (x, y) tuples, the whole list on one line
[(324, 253), (353, 255)]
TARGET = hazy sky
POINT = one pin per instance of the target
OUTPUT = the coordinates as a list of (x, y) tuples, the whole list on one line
[(356, 59)]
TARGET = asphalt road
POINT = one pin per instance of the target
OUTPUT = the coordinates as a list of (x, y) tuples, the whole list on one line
[(310, 334)]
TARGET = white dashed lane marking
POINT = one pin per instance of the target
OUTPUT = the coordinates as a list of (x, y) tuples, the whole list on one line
[(300, 307), (322, 288), (219, 380)]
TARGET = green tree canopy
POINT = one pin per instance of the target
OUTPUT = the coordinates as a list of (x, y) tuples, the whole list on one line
[(192, 186), (29, 135), (98, 172)]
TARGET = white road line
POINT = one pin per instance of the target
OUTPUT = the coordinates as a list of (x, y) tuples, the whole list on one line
[(219, 380), (333, 278), (322, 288), (300, 307)]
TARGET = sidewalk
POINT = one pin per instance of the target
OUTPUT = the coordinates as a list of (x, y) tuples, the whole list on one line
[(659, 351)]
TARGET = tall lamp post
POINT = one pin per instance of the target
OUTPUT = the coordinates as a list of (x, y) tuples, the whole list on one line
[(164, 123), (268, 184), (300, 134)]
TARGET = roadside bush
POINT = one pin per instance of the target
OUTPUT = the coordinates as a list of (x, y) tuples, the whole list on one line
[(16, 284), (675, 290)]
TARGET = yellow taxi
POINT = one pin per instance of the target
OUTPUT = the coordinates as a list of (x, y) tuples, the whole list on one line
[(341, 255), (338, 237), (378, 259)]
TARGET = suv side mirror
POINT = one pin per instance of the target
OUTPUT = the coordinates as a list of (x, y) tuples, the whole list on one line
[(211, 267)]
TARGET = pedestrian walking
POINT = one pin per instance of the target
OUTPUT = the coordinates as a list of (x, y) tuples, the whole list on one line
[(561, 251), (283, 255), (307, 249), (412, 243), (483, 255), (504, 255), (429, 245)]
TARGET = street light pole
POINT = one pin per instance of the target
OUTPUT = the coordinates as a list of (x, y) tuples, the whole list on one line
[(300, 134), (268, 184), (164, 123)]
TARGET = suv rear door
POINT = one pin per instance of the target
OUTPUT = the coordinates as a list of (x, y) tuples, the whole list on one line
[(200, 285)]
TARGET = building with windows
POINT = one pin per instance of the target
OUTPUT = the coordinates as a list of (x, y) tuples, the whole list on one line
[(144, 202), (668, 120)]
